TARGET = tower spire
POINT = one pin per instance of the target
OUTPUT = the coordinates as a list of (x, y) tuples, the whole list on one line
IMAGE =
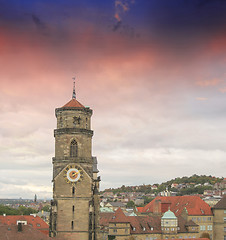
[(73, 94)]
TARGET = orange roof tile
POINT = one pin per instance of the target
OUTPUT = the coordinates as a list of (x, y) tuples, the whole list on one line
[(35, 222), (194, 205), (140, 224), (28, 232), (73, 103), (119, 216)]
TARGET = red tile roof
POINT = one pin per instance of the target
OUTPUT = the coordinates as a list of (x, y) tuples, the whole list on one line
[(119, 216), (140, 224), (195, 205), (73, 103), (28, 232), (105, 218), (35, 222)]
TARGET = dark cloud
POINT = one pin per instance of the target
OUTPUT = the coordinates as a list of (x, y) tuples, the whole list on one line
[(39, 24), (117, 26)]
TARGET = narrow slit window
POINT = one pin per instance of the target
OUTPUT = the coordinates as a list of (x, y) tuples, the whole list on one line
[(74, 149), (72, 225), (86, 123), (73, 190), (73, 208)]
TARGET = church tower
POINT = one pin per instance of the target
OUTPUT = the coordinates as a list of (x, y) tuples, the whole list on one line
[(75, 205)]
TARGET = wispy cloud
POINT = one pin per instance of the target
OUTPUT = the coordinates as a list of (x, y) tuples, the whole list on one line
[(209, 83), (201, 98)]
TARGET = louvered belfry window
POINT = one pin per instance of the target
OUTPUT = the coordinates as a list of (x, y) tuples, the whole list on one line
[(74, 149)]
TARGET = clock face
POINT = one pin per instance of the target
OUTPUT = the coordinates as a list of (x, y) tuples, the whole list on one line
[(72, 174)]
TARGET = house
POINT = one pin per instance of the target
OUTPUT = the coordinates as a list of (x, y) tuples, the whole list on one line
[(190, 207), (219, 222), (121, 227), (115, 205), (21, 232), (174, 185), (154, 187)]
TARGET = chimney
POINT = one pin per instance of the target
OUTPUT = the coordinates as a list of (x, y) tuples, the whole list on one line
[(19, 227), (157, 207)]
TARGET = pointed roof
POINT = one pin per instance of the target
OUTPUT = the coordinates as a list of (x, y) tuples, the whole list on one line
[(73, 103), (119, 216)]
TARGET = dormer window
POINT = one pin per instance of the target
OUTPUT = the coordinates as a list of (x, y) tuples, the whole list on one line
[(144, 229), (134, 229)]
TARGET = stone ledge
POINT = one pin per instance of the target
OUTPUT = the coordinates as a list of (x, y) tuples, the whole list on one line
[(72, 160), (60, 131)]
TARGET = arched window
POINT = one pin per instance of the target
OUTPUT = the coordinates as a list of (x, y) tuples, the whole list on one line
[(74, 149)]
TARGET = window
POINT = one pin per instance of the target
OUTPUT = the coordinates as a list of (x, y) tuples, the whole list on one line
[(61, 122), (209, 218), (73, 208), (202, 228), (224, 211), (74, 149), (72, 225), (86, 123), (38, 225), (224, 229), (115, 230), (198, 219), (209, 227), (224, 219), (224, 237)]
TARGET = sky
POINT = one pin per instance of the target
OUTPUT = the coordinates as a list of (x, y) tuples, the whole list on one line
[(153, 71)]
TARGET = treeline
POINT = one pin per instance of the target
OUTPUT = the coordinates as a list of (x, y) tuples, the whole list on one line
[(21, 210), (191, 181)]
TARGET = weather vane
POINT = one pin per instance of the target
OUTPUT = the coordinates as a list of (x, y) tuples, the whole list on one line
[(73, 94)]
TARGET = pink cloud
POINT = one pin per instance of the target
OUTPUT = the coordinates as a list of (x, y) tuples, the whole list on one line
[(209, 83)]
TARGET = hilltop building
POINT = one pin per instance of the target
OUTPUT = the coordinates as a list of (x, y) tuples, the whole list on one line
[(75, 205)]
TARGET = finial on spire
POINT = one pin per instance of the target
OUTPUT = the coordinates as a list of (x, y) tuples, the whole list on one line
[(73, 94)]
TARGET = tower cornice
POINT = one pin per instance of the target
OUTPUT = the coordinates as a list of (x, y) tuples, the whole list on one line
[(62, 109), (60, 131)]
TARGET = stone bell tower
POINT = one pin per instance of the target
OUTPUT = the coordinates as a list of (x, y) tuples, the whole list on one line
[(75, 205)]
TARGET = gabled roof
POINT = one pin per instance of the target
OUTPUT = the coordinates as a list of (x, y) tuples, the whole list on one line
[(73, 103), (194, 205), (221, 204), (33, 221), (140, 224), (119, 216)]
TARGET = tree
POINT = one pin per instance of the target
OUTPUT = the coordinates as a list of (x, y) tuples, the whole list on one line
[(46, 208), (130, 204)]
